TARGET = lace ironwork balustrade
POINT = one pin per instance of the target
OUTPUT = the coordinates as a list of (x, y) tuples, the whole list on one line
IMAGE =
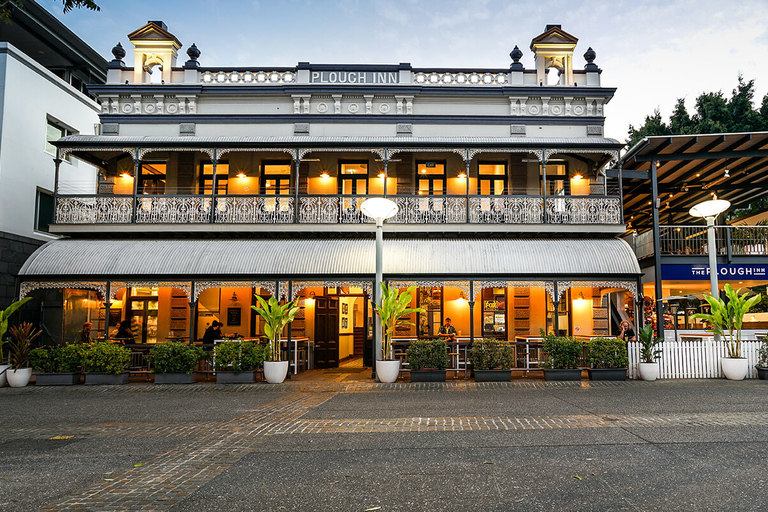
[(173, 210), (506, 210), (583, 210), (332, 210), (430, 210), (254, 210), (93, 210)]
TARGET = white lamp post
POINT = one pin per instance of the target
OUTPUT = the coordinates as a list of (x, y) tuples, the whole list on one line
[(709, 210), (378, 208)]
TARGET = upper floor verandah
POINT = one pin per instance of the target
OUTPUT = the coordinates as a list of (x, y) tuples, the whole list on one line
[(314, 182)]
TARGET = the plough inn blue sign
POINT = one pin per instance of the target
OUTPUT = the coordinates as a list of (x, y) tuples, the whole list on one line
[(701, 272)]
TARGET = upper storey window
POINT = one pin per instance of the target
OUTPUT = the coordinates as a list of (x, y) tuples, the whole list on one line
[(431, 178), (152, 178), (276, 177), (354, 178), (53, 132), (492, 178)]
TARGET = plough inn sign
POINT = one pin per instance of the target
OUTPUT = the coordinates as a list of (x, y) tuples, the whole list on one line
[(697, 272)]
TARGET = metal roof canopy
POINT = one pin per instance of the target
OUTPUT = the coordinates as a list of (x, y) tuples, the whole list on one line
[(312, 258), (690, 168)]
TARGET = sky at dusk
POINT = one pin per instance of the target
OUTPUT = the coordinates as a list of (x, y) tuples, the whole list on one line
[(653, 52)]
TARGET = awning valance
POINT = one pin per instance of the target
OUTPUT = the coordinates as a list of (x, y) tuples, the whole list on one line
[(323, 258)]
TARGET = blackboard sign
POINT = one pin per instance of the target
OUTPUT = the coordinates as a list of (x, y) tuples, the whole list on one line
[(233, 316)]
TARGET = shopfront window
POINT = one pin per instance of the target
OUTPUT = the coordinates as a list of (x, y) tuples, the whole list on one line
[(430, 299)]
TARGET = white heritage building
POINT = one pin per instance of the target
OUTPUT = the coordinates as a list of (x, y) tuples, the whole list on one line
[(216, 183)]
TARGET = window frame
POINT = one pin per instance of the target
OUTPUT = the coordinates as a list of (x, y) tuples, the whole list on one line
[(39, 192), (354, 178), (493, 177), (431, 177), (264, 176)]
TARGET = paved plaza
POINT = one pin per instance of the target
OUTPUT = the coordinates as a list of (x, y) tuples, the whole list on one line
[(342, 444)]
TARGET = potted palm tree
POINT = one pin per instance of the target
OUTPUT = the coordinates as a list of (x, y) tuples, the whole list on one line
[(492, 360), (22, 337), (648, 367), (607, 359), (725, 320), (5, 315), (276, 317), (762, 360), (394, 306), (562, 357)]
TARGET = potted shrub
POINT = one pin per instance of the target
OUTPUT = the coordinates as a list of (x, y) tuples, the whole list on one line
[(394, 306), (20, 346), (762, 360), (236, 360), (607, 359), (5, 315), (562, 356), (492, 360), (57, 365), (725, 320), (648, 367), (174, 362), (105, 362), (428, 360), (276, 317)]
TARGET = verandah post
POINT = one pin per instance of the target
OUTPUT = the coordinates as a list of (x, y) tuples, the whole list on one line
[(192, 304), (214, 163), (288, 343), (107, 304), (136, 178)]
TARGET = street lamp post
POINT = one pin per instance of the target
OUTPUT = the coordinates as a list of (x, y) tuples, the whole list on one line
[(709, 210), (378, 208)]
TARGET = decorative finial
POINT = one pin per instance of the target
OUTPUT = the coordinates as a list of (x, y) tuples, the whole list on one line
[(118, 51), (193, 52), (516, 55), (590, 56)]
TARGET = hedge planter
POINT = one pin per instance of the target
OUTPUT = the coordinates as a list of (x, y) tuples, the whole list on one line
[(607, 373), (427, 375), (762, 373), (493, 375), (57, 379), (175, 378), (561, 374), (224, 377), (105, 379)]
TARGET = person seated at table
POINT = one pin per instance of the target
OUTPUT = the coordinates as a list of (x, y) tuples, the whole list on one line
[(447, 332), (212, 333), (626, 333), (84, 336), (124, 333)]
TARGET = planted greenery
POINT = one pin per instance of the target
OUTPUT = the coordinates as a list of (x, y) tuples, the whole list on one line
[(276, 317), (20, 346), (489, 354), (762, 354), (175, 357), (607, 353), (726, 318), (394, 306), (428, 355), (562, 351), (649, 343), (57, 359), (239, 356), (106, 357), (5, 315)]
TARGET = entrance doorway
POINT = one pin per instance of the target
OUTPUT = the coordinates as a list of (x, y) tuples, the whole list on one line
[(326, 332), (144, 319)]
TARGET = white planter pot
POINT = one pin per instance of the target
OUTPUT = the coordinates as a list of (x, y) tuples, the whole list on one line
[(19, 378), (648, 371), (387, 371), (275, 371), (734, 368), (2, 377)]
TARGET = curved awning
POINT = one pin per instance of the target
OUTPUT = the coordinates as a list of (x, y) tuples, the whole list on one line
[(313, 258)]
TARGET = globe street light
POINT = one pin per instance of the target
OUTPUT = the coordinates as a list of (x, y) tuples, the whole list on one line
[(378, 208), (709, 210)]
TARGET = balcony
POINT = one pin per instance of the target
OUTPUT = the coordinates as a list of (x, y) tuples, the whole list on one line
[(691, 240), (335, 209)]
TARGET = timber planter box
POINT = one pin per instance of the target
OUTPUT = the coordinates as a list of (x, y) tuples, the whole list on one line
[(427, 375), (562, 373), (225, 377), (607, 373), (57, 379), (175, 378), (105, 379), (493, 375)]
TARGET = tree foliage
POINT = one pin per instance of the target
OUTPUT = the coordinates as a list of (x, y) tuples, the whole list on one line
[(7, 6), (714, 114)]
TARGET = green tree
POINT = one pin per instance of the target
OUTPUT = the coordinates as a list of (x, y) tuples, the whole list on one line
[(7, 6)]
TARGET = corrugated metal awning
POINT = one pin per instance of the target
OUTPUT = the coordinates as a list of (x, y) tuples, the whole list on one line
[(246, 259)]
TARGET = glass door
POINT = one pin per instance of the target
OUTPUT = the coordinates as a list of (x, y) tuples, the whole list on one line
[(492, 179), (143, 314), (276, 178), (430, 178)]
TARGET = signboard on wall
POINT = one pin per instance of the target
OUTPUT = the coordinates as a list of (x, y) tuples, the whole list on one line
[(701, 272)]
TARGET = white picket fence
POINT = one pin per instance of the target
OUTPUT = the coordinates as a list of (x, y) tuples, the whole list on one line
[(693, 359)]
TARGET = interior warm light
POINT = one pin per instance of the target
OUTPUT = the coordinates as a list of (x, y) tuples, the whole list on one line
[(423, 171), (380, 175), (126, 175), (462, 175), (577, 177), (268, 185), (324, 175), (240, 175)]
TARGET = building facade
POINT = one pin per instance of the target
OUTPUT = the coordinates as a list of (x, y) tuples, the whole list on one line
[(213, 184)]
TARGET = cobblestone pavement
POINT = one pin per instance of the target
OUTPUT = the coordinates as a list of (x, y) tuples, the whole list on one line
[(210, 449)]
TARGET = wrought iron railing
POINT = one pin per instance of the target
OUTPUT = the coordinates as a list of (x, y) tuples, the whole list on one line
[(692, 240), (334, 209)]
